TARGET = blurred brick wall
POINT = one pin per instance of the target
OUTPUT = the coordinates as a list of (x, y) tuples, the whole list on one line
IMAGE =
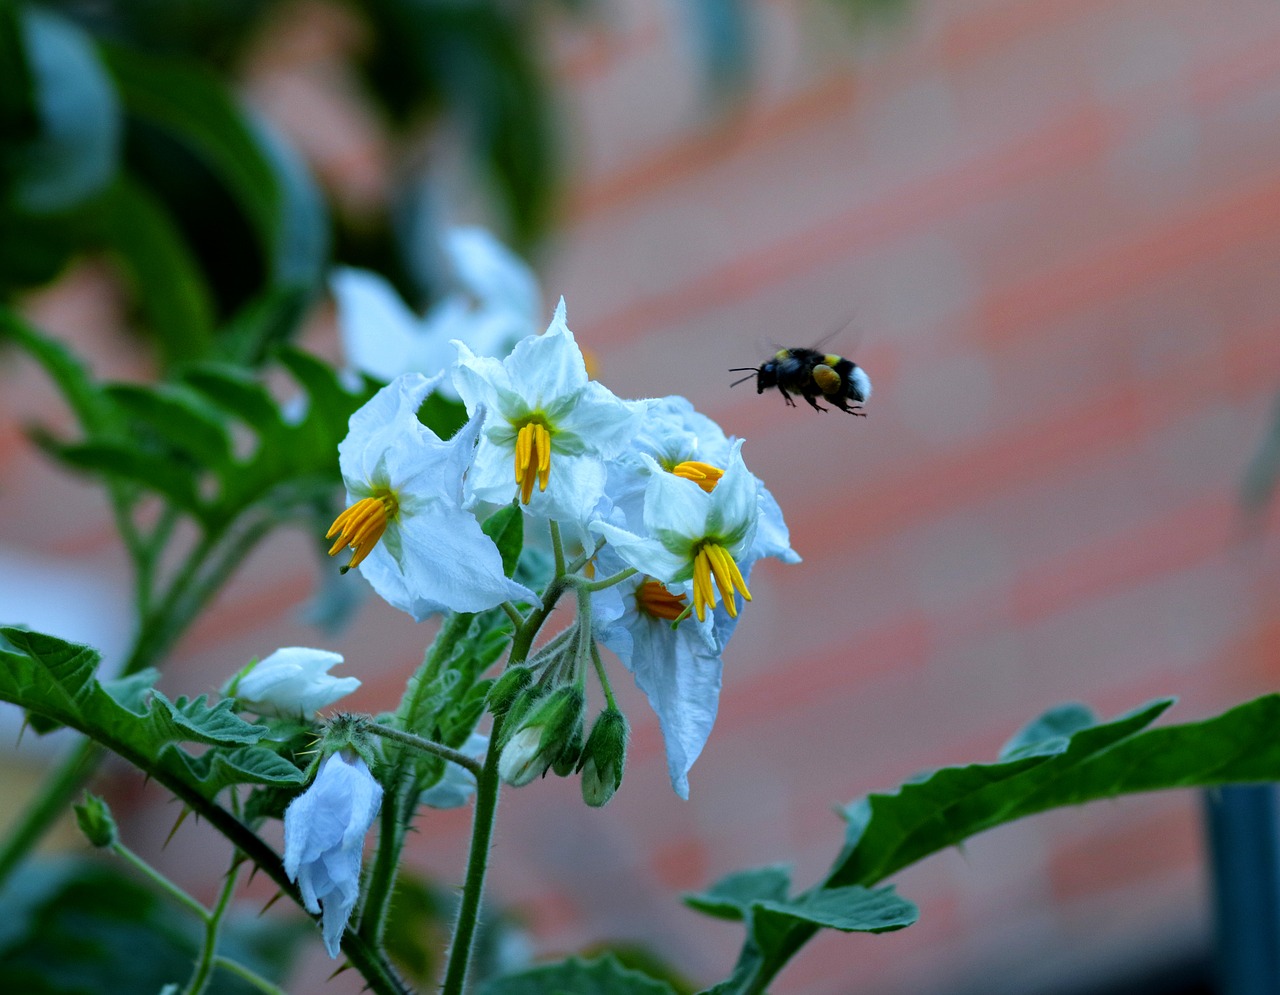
[(1054, 229)]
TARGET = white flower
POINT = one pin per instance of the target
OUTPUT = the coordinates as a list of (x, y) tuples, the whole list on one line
[(693, 534), (407, 529), (458, 784), (324, 830), (496, 304), (292, 681), (682, 441), (546, 421)]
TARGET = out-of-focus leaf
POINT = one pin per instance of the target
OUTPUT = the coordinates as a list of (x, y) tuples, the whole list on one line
[(474, 62), (75, 151), (87, 928), (244, 203), (1259, 485), (181, 416), (597, 977), (167, 282)]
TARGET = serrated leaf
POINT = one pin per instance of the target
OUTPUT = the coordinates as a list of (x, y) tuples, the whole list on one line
[(55, 679), (581, 977), (180, 416), (506, 528), (731, 896), (955, 803)]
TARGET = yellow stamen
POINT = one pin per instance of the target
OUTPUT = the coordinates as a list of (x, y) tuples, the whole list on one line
[(656, 601), (533, 459), (361, 526), (713, 562), (703, 474)]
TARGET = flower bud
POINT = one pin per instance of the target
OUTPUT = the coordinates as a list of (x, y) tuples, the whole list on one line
[(95, 821), (542, 735), (604, 757), (503, 691), (291, 682)]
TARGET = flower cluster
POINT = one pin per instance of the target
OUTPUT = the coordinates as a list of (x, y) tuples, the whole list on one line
[(655, 494)]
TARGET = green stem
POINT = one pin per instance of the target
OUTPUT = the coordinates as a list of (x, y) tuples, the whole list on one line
[(212, 924), (160, 881), (584, 559), (600, 585), (247, 975), (604, 678), (400, 799), (425, 745), (487, 785), (557, 548)]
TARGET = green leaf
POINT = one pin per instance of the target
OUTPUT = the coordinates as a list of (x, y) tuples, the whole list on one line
[(55, 679), (182, 417), (237, 392), (76, 150), (850, 909), (1048, 733), (168, 283), (957, 802), (74, 381), (123, 461), (506, 528), (730, 897), (597, 977), (178, 102)]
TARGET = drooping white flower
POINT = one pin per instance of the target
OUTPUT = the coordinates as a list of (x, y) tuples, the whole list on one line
[(495, 303), (293, 681), (406, 527), (324, 830), (458, 784), (546, 423)]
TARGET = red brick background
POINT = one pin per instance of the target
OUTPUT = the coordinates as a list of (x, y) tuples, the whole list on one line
[(1053, 229)]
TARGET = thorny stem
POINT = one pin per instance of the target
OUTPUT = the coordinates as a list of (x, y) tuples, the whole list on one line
[(425, 745), (477, 864)]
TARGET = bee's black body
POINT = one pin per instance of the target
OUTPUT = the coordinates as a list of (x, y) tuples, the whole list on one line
[(813, 375)]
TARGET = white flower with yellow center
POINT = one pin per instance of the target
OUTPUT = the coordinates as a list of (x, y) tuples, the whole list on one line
[(694, 534), (548, 430), (406, 527)]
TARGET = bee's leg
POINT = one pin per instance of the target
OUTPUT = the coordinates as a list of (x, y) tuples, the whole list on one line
[(843, 405), (785, 396), (813, 402)]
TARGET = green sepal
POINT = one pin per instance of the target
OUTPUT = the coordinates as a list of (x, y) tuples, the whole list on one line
[(93, 816)]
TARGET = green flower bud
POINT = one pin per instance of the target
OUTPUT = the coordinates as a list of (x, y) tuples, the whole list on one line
[(95, 821), (503, 691), (604, 757), (542, 735), (567, 762)]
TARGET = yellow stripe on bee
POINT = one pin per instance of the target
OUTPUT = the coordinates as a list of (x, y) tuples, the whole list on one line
[(831, 359)]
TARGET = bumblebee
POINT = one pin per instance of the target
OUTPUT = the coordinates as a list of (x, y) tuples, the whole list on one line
[(812, 375)]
